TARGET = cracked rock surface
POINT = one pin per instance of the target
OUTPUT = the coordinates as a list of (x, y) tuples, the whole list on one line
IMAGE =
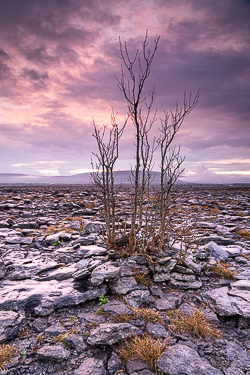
[(55, 266)]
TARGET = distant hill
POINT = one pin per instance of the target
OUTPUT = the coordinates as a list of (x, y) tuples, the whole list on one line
[(122, 177)]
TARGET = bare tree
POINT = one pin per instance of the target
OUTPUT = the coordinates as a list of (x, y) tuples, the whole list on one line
[(138, 69), (103, 175), (134, 74), (171, 160)]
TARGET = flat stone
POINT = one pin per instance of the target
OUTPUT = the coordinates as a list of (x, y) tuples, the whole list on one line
[(181, 359), (53, 352), (157, 330), (116, 308), (111, 333), (139, 298), (233, 250), (161, 277), (185, 285), (135, 365), (124, 285), (91, 366), (44, 296), (104, 272), (170, 302), (55, 329), (229, 302), (182, 277), (92, 251), (216, 251)]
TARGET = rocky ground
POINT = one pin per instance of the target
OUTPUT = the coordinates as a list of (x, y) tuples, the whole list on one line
[(54, 266)]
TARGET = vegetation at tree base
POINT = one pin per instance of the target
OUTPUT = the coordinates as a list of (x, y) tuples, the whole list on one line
[(148, 227)]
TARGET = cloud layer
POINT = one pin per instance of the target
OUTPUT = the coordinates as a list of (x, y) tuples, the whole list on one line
[(57, 64)]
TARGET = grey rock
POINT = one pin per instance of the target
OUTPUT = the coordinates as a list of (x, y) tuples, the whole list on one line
[(44, 296), (197, 268), (104, 272), (236, 354), (85, 241), (2, 270), (53, 238), (157, 330), (124, 285), (91, 366), (55, 329), (111, 333), (53, 352), (135, 365), (229, 302), (92, 251), (233, 250), (234, 370), (116, 308), (114, 364), (10, 322), (182, 277), (187, 309), (160, 277), (169, 302), (139, 298), (76, 342), (181, 359), (206, 225), (216, 251), (185, 285), (95, 227)]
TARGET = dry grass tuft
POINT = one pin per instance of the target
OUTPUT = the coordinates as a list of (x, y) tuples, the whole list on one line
[(7, 352), (122, 318), (197, 324), (222, 271), (142, 278), (148, 315), (145, 348), (63, 336), (243, 233)]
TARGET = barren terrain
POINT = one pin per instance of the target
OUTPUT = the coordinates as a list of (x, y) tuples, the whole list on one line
[(68, 305)]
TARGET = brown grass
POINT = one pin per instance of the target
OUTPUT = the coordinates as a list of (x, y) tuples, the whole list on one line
[(222, 271), (148, 315), (145, 348), (7, 352), (243, 233), (197, 324), (122, 318), (63, 336), (142, 278)]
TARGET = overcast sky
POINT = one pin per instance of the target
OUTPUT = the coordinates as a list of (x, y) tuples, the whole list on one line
[(57, 64)]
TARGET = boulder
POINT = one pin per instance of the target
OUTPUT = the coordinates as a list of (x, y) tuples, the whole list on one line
[(104, 272), (181, 359), (10, 322), (111, 333)]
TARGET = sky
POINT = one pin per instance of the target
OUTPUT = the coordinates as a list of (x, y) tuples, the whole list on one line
[(58, 60)]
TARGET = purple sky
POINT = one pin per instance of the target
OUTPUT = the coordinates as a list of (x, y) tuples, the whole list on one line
[(57, 65)]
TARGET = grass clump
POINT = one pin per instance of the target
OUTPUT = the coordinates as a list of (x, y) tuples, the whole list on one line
[(7, 352), (142, 278), (122, 318), (222, 271), (145, 348), (243, 233), (63, 336), (148, 315), (197, 324)]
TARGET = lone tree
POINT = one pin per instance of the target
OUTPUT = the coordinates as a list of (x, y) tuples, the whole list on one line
[(147, 225)]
